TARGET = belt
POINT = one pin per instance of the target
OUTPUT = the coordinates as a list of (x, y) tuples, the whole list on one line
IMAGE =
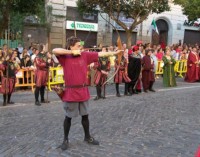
[(76, 86)]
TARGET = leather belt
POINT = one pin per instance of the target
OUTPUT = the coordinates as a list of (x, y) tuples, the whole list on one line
[(76, 86)]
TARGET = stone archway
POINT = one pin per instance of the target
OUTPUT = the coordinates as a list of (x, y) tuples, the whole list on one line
[(163, 29)]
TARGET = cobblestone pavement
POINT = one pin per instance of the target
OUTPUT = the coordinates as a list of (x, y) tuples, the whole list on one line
[(161, 124)]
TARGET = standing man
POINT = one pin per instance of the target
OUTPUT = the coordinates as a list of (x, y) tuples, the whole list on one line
[(42, 62), (9, 68), (102, 68), (20, 48), (148, 77), (134, 69), (122, 73), (30, 50), (192, 74), (76, 93)]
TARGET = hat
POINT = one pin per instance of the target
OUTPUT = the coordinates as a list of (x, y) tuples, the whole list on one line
[(130, 52), (139, 42), (135, 48)]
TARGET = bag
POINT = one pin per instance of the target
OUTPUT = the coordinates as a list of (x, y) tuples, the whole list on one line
[(59, 91)]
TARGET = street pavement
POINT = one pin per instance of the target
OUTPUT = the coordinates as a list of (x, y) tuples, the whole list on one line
[(161, 124)]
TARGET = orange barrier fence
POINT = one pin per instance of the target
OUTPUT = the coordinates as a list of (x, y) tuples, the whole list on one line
[(25, 78)]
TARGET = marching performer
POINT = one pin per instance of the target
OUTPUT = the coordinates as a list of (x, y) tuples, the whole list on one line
[(122, 74), (134, 69), (9, 68), (42, 62), (192, 74), (102, 68), (76, 93), (148, 77)]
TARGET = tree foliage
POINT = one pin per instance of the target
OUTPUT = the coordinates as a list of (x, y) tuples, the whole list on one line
[(139, 10), (191, 8), (10, 9)]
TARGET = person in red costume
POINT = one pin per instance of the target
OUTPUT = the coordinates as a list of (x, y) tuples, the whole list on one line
[(122, 73), (76, 93), (148, 78), (192, 74), (102, 68), (42, 62), (9, 67)]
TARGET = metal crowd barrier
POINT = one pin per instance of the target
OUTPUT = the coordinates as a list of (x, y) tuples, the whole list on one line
[(25, 77), (180, 67), (55, 77), (159, 68)]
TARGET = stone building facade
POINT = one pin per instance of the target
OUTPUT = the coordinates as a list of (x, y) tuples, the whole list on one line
[(57, 21), (64, 14)]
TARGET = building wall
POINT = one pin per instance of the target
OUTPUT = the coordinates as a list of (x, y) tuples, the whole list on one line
[(175, 20), (34, 35), (57, 37), (70, 3)]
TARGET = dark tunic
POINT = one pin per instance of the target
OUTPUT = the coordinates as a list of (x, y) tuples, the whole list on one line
[(134, 68), (102, 64), (147, 71), (41, 73)]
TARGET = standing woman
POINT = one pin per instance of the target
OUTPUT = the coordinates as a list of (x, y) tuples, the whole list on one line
[(168, 69)]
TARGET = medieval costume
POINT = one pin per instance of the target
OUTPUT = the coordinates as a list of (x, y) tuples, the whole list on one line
[(122, 73), (134, 70), (168, 71), (42, 63), (102, 68), (192, 74), (9, 68), (148, 77)]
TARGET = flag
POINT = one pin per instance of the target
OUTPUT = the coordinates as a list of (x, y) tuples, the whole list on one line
[(153, 26)]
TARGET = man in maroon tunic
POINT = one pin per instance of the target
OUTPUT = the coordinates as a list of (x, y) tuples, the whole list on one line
[(192, 74), (122, 73), (76, 93), (102, 68), (9, 68), (42, 62), (147, 72)]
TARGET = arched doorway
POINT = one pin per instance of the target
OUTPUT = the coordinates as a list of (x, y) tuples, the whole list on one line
[(163, 29)]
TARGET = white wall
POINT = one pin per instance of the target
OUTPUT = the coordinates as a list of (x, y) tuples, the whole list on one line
[(70, 3), (174, 17)]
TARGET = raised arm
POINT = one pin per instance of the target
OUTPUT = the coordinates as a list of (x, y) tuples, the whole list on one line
[(61, 51), (104, 54)]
